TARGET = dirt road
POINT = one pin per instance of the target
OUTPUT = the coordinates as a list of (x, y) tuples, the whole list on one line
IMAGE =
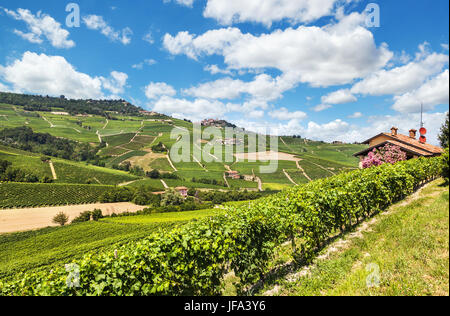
[(35, 218)]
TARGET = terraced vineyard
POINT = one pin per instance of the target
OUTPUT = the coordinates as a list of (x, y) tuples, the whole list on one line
[(23, 195), (130, 138)]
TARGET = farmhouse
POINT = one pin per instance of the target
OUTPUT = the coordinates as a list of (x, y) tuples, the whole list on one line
[(233, 175), (61, 113), (183, 191), (413, 147)]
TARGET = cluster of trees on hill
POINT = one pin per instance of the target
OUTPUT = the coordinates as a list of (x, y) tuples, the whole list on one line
[(46, 103), (209, 181), (219, 197), (25, 139), (9, 173)]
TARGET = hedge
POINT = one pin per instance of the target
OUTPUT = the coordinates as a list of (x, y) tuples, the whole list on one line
[(193, 259)]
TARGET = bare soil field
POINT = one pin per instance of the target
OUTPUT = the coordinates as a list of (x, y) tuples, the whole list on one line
[(145, 161), (36, 218)]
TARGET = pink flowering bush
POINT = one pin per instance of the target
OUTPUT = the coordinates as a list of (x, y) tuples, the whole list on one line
[(387, 154)]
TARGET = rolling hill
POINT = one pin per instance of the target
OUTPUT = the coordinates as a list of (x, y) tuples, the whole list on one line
[(128, 139)]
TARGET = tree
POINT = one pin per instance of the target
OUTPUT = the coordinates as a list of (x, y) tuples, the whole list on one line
[(154, 174), (61, 219), (443, 136), (387, 154), (445, 171), (171, 198)]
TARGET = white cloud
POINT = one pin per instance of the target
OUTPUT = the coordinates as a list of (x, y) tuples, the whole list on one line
[(196, 110), (257, 114), (283, 114), (433, 92), (156, 90), (39, 26), (116, 83), (269, 11), (346, 132), (149, 62), (402, 79), (186, 3), (322, 107), (263, 87), (444, 46), (335, 54), (96, 22), (51, 75), (149, 38), (214, 70), (356, 115), (339, 97)]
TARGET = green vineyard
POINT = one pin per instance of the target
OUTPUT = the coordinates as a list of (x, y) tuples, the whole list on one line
[(193, 259), (21, 195)]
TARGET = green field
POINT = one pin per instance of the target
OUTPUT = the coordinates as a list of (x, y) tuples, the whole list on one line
[(42, 249)]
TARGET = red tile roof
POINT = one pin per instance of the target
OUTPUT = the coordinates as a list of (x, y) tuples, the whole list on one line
[(407, 143)]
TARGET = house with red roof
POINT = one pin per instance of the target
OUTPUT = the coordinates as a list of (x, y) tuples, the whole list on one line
[(413, 147)]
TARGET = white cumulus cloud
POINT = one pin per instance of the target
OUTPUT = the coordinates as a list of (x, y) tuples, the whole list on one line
[(433, 92), (41, 26), (335, 54), (96, 22), (54, 75), (284, 114), (339, 97), (155, 90), (269, 11)]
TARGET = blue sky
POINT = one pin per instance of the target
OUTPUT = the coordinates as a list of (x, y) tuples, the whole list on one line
[(311, 68)]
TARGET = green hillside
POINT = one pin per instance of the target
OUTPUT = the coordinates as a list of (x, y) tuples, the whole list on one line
[(127, 141)]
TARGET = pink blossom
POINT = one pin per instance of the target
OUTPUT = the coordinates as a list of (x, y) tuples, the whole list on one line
[(387, 154)]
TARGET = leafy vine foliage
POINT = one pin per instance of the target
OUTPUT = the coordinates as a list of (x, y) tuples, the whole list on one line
[(192, 259)]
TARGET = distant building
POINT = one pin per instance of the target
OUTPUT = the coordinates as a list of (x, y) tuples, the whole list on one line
[(217, 123), (183, 191), (409, 144), (149, 113), (60, 113)]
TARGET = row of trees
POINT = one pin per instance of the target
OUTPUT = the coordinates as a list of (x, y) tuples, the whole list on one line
[(9, 173), (46, 103)]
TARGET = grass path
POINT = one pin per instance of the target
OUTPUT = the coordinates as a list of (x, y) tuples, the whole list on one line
[(289, 177), (303, 170), (164, 184), (402, 252), (52, 168)]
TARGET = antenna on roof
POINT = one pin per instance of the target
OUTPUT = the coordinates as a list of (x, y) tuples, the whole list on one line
[(421, 116), (423, 130)]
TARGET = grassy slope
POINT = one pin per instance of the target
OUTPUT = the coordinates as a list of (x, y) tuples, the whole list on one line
[(41, 249), (409, 244)]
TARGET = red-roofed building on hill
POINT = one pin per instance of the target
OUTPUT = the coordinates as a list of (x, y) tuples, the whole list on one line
[(409, 144)]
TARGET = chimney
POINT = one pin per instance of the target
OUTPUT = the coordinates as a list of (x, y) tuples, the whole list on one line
[(394, 131), (412, 133)]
